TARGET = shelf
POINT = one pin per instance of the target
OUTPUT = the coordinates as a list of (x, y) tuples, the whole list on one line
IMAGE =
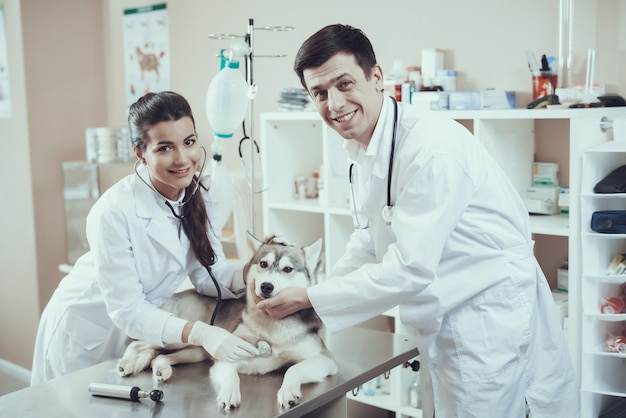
[(532, 113), (605, 317), (603, 372), (607, 278), (606, 354), (306, 205), (609, 196), (550, 224), (382, 401), (610, 146), (502, 114), (295, 143), (410, 411), (604, 236)]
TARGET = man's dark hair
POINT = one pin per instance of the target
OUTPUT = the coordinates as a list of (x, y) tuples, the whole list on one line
[(330, 40)]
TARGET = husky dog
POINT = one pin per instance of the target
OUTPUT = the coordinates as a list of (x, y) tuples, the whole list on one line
[(293, 342)]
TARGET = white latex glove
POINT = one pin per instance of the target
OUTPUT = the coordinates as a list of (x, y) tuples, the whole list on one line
[(221, 344), (278, 238)]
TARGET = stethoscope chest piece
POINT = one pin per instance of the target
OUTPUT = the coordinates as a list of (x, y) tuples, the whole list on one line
[(387, 213)]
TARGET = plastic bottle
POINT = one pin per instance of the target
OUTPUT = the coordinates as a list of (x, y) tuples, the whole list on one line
[(369, 387), (227, 99), (414, 392)]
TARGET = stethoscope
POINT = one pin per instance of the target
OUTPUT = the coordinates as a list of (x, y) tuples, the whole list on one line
[(182, 203), (181, 216), (387, 212)]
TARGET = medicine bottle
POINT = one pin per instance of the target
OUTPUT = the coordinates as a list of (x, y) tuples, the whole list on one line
[(414, 393)]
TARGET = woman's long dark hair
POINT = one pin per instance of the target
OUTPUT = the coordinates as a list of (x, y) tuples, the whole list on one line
[(165, 106)]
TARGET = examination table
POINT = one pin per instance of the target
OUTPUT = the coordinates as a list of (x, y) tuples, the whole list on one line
[(360, 353)]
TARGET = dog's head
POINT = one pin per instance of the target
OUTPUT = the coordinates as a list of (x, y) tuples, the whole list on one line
[(276, 265)]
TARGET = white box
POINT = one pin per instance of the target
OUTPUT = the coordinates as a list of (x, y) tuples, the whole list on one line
[(546, 174), (562, 279), (498, 99), (564, 200), (432, 61), (428, 100), (465, 100), (561, 301), (542, 200)]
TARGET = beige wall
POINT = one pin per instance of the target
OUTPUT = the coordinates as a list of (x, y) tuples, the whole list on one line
[(19, 304), (73, 78)]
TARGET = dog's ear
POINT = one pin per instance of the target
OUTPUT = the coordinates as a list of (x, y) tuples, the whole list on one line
[(312, 253), (253, 242)]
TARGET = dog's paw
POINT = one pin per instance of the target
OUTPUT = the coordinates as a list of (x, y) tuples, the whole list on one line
[(229, 399), (133, 364), (161, 369), (125, 367), (288, 395)]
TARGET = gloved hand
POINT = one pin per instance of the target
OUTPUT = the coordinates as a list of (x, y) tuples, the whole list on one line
[(277, 238), (221, 344)]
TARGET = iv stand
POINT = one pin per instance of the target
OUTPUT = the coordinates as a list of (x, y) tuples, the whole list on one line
[(249, 39)]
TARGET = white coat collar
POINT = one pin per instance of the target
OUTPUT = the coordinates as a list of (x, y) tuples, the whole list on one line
[(375, 159), (161, 224)]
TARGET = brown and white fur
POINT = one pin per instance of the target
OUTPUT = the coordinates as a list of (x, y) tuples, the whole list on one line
[(295, 341)]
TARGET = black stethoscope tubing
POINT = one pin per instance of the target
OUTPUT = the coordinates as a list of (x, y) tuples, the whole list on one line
[(386, 213), (181, 217)]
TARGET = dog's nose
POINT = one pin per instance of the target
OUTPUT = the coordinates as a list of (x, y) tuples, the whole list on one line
[(267, 288)]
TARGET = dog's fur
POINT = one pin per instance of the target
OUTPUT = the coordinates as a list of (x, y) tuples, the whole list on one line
[(295, 341)]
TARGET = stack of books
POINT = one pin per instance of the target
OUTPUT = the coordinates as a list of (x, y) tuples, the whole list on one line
[(293, 99)]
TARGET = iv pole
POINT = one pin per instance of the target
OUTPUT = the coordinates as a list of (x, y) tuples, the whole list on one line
[(249, 54)]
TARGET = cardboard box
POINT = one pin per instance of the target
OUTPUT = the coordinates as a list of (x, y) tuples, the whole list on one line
[(542, 200), (562, 279), (545, 174), (561, 301), (432, 61), (433, 100), (465, 100), (498, 99), (564, 200)]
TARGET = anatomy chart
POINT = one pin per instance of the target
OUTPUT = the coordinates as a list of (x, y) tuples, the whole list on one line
[(147, 51)]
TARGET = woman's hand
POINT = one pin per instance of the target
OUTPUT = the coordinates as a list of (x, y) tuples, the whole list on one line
[(286, 302)]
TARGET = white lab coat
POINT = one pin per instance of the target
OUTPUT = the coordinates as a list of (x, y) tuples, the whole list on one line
[(458, 259), (137, 259)]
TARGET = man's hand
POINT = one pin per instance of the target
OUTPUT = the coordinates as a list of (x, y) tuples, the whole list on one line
[(286, 302), (277, 238)]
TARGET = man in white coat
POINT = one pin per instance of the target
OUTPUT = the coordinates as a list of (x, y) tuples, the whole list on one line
[(442, 233)]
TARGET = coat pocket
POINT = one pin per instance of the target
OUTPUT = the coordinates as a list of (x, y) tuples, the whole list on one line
[(489, 334), (84, 332)]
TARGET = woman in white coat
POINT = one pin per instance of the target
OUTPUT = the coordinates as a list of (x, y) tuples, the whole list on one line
[(442, 233), (146, 234)]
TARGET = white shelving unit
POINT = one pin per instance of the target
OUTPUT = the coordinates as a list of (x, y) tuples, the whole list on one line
[(603, 373), (299, 143)]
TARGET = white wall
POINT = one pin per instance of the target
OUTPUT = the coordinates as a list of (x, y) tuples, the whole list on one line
[(74, 79)]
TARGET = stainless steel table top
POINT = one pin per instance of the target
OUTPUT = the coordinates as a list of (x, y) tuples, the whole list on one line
[(361, 355)]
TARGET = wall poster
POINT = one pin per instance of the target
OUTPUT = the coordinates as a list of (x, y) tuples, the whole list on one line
[(5, 94), (147, 51)]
